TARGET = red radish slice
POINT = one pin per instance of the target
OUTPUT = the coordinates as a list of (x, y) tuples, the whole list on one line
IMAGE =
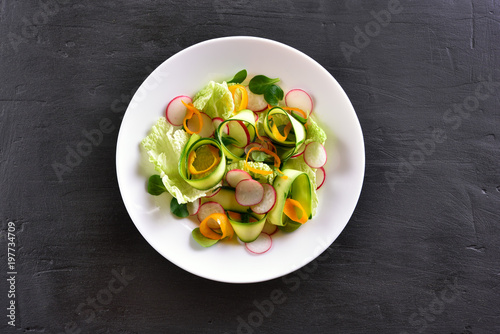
[(297, 98), (320, 177), (269, 228), (208, 208), (260, 245), (249, 192), (256, 102), (256, 117), (315, 155), (238, 131), (176, 111), (267, 202), (194, 207), (216, 122), (300, 151), (234, 176), (215, 191), (207, 129)]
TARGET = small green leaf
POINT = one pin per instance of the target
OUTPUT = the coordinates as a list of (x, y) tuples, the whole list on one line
[(239, 77), (260, 84), (179, 210), (155, 185), (201, 239), (273, 95)]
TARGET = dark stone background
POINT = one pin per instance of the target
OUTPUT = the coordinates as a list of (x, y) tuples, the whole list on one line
[(421, 252)]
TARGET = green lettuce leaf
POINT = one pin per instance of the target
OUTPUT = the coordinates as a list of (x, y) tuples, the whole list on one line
[(258, 165), (164, 146), (215, 100), (299, 164), (314, 132)]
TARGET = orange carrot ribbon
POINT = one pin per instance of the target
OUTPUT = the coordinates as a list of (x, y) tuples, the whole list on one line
[(290, 210), (225, 226)]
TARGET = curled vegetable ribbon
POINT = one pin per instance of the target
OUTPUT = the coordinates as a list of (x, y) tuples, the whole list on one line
[(225, 226), (300, 111), (191, 111), (277, 162), (244, 97), (192, 157), (290, 211), (297, 110), (277, 133)]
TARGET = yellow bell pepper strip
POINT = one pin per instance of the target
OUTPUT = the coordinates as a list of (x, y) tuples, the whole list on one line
[(225, 226), (277, 133), (244, 97), (277, 162), (192, 157), (192, 111), (290, 211)]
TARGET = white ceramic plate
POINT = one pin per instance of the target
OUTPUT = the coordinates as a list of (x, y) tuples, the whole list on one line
[(219, 59)]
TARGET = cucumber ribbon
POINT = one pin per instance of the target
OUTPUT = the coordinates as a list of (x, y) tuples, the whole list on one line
[(208, 177), (294, 133), (233, 144), (292, 194)]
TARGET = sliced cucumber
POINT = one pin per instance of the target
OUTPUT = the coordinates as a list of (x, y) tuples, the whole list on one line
[(298, 187), (248, 231), (214, 177)]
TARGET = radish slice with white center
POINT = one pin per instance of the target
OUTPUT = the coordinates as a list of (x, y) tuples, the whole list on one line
[(176, 111), (234, 176), (249, 192), (320, 177), (298, 98), (194, 207), (268, 201), (300, 151), (315, 155), (208, 208), (216, 122), (239, 132), (269, 228), (256, 102), (207, 128), (256, 117), (260, 245)]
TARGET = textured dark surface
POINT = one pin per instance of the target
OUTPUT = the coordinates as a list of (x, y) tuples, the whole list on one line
[(421, 253)]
